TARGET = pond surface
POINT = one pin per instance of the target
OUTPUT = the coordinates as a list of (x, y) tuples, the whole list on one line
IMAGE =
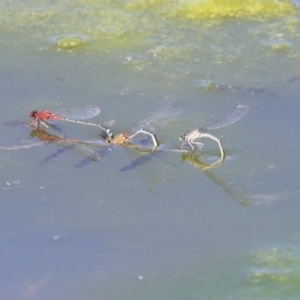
[(170, 228)]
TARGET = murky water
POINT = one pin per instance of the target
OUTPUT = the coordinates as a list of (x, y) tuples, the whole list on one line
[(170, 228)]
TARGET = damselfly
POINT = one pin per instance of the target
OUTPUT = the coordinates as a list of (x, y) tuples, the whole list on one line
[(92, 151), (190, 137), (74, 115), (153, 119)]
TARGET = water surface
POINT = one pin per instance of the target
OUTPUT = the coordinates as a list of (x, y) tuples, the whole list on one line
[(165, 229)]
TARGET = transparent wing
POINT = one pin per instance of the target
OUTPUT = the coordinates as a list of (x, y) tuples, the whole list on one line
[(157, 116), (77, 113), (239, 113)]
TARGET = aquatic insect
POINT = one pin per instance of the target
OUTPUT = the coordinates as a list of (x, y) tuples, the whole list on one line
[(153, 119), (74, 115), (94, 151), (190, 137)]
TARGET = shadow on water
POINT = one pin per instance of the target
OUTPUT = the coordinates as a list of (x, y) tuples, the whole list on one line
[(95, 151)]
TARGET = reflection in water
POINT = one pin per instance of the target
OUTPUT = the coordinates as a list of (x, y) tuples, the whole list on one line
[(53, 155), (88, 150), (95, 150), (77, 147), (27, 126), (292, 78), (18, 147), (142, 160), (153, 119), (193, 159), (233, 191)]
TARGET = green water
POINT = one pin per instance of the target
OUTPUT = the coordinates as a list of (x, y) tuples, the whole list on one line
[(168, 229)]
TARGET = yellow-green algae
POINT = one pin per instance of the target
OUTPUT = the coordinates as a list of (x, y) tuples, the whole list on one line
[(132, 24), (69, 42), (247, 9), (146, 5), (276, 265), (106, 24), (219, 9), (281, 47)]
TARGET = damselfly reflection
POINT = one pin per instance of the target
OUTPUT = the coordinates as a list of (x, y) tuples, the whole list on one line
[(63, 144), (77, 147), (234, 192), (27, 144), (157, 159)]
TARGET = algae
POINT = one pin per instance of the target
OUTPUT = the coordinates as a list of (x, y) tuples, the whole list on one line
[(222, 9)]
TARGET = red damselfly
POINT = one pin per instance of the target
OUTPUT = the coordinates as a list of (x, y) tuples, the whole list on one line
[(74, 115)]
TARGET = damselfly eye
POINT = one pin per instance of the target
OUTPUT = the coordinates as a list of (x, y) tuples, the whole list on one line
[(182, 137), (33, 114)]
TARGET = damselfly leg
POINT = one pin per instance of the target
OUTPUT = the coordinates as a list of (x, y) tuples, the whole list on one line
[(150, 134), (190, 137)]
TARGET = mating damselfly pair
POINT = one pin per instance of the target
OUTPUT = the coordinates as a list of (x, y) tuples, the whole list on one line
[(148, 124), (153, 119)]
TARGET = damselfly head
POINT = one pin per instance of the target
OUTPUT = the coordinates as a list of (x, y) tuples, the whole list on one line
[(33, 114), (182, 137), (109, 133), (106, 137)]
